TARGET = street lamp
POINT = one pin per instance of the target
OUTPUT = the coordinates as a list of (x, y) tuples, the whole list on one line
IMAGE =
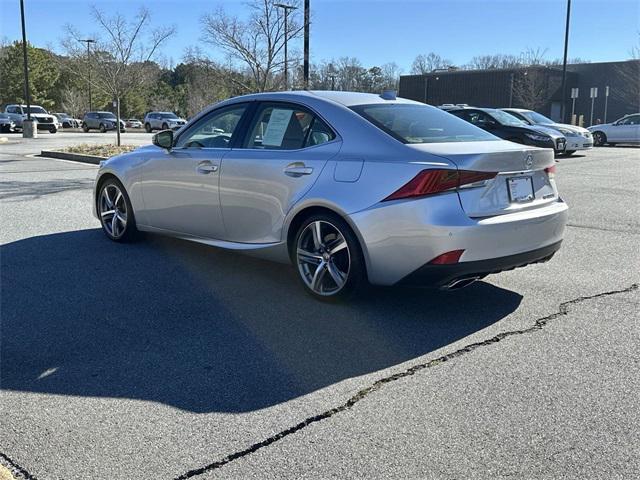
[(305, 64), (28, 129), (89, 41), (564, 62), (286, 9)]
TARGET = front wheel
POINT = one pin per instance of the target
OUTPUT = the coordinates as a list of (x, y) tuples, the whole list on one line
[(53, 129), (85, 128), (102, 128), (115, 212), (568, 153), (599, 139), (147, 127), (165, 126), (328, 258)]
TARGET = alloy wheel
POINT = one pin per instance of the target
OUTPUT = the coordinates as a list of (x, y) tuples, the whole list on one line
[(113, 211), (323, 258)]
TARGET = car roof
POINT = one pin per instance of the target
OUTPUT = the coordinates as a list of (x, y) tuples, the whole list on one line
[(347, 99), (517, 109)]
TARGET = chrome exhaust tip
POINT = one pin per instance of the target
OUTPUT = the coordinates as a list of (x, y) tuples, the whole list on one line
[(461, 283)]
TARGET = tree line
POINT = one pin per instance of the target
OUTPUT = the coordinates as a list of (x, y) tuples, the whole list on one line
[(125, 65)]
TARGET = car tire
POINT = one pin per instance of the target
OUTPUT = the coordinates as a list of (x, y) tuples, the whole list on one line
[(165, 126), (53, 129), (115, 211), (85, 128), (328, 258), (102, 128), (147, 127), (599, 139), (568, 153)]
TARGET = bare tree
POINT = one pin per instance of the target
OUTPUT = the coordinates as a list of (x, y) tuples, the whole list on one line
[(531, 88), (499, 60), (257, 43), (73, 101), (428, 63), (123, 56)]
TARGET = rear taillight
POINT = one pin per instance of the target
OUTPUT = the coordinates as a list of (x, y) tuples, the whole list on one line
[(447, 258), (430, 182), (551, 171)]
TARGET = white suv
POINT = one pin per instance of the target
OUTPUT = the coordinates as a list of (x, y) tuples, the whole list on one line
[(162, 121), (45, 120)]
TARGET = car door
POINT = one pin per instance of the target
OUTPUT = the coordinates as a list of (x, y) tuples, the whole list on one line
[(624, 130), (180, 187), (284, 150)]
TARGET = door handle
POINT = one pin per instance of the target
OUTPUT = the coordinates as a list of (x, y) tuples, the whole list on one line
[(206, 168), (298, 169)]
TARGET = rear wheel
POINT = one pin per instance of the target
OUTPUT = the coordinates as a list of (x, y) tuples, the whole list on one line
[(328, 258), (53, 129), (599, 139), (115, 211), (102, 128)]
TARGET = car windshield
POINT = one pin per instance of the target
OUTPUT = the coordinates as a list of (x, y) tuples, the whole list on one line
[(168, 115), (35, 109), (106, 115), (505, 118), (411, 123), (537, 118)]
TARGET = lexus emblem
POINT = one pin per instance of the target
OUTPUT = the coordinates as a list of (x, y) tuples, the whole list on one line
[(528, 161)]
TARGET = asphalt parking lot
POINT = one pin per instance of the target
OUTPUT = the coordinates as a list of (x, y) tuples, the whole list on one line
[(165, 359)]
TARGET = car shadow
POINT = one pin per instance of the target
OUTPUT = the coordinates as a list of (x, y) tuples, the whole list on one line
[(203, 329)]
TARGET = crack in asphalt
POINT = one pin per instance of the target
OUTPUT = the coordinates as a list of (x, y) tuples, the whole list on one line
[(539, 324), (16, 470), (602, 229)]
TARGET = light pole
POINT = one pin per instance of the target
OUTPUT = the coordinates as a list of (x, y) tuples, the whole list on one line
[(89, 41), (305, 65), (29, 131), (564, 62), (286, 9)]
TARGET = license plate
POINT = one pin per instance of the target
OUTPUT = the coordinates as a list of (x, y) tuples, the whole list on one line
[(520, 189)]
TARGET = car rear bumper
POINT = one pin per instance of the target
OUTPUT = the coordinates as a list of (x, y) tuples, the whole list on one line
[(399, 238), (460, 274)]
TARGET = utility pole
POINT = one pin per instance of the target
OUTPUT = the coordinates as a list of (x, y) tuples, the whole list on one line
[(286, 9), (30, 130), (89, 41), (305, 68), (606, 101), (564, 62)]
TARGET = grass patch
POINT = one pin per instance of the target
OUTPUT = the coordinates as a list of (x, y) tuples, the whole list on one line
[(99, 150)]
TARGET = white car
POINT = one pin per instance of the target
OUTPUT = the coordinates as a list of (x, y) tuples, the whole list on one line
[(623, 130), (578, 138)]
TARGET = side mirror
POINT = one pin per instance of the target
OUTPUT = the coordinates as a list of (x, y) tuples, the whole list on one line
[(164, 139)]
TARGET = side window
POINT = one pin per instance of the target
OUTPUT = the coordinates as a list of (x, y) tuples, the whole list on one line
[(279, 127), (632, 120), (319, 133), (213, 131)]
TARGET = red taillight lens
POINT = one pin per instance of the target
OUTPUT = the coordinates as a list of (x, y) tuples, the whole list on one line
[(447, 258), (429, 182), (551, 171)]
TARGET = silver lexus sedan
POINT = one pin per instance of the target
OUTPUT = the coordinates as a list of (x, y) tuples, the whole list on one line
[(349, 187)]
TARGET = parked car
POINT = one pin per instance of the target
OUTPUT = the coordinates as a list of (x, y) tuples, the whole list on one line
[(44, 120), (349, 187), (67, 121), (133, 123), (162, 121), (7, 125), (508, 127), (623, 130), (578, 138), (102, 121)]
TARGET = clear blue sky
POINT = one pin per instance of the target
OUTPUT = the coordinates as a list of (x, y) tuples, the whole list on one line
[(378, 32)]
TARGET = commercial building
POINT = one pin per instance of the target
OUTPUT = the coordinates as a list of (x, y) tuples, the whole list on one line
[(537, 87)]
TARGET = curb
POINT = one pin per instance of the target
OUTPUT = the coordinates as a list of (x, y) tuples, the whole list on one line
[(76, 157)]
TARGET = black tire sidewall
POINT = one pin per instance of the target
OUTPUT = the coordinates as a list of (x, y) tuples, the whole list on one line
[(131, 230), (357, 270)]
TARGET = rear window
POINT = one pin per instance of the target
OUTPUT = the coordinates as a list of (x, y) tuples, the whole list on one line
[(421, 124)]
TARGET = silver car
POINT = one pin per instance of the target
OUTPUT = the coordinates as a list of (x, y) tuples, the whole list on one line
[(162, 121), (349, 187)]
